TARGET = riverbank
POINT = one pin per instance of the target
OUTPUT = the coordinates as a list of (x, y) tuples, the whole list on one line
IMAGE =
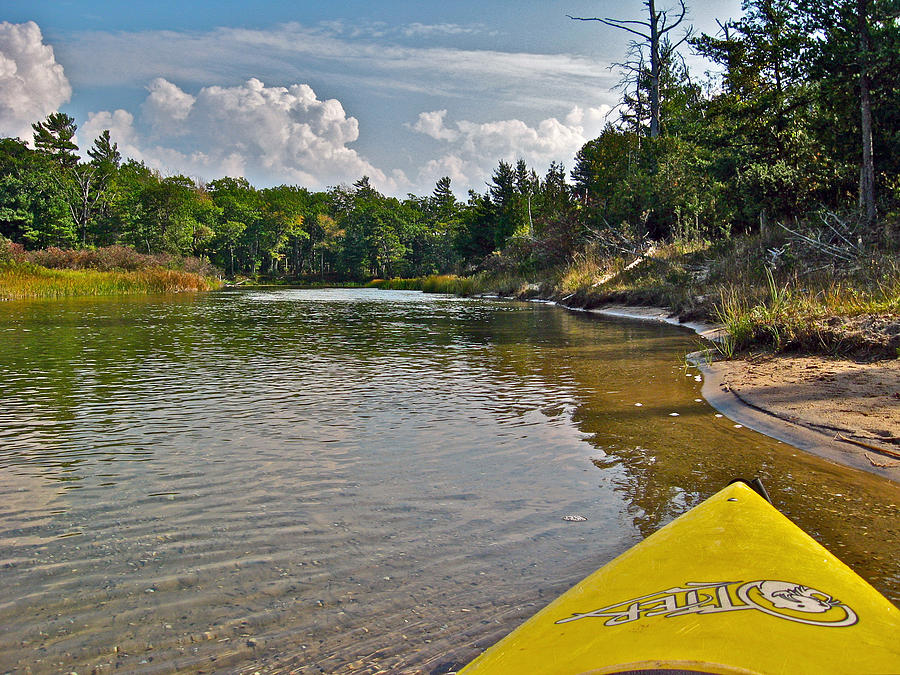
[(843, 410), (112, 270), (809, 334)]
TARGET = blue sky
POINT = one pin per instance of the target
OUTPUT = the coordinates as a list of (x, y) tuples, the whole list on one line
[(318, 93)]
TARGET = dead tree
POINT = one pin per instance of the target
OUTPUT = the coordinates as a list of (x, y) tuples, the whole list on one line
[(652, 33)]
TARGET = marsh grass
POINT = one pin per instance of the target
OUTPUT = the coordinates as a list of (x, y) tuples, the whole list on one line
[(453, 285), (414, 284), (27, 280)]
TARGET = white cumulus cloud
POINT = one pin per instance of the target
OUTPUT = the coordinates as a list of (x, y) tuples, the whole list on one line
[(32, 83), (166, 105), (472, 149), (121, 130), (432, 124), (268, 134)]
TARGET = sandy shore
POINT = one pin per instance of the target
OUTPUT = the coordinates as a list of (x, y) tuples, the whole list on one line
[(845, 411)]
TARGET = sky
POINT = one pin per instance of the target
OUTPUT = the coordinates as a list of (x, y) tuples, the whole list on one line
[(319, 94)]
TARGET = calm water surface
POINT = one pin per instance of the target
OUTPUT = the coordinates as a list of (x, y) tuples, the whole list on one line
[(350, 480)]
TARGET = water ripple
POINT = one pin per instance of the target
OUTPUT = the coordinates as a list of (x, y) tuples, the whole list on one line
[(342, 480)]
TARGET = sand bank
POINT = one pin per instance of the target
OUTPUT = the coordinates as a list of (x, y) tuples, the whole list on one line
[(842, 410)]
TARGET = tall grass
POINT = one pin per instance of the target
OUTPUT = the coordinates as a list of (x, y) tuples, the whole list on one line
[(449, 284), (26, 280), (506, 284), (586, 271), (452, 284), (803, 314), (396, 284)]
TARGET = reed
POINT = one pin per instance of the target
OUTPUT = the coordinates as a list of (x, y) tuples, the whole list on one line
[(455, 285), (26, 280), (396, 284)]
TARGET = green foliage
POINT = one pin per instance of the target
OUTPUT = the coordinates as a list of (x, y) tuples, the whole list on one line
[(772, 139), (54, 138)]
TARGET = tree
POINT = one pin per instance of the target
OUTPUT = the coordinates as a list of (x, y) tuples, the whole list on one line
[(167, 214), (443, 202), (477, 236), (508, 190), (437, 220), (855, 55), (53, 137), (654, 32), (284, 212), (104, 153), (760, 124), (553, 194), (328, 236), (33, 208), (88, 182), (602, 169), (228, 234), (377, 231), (241, 202)]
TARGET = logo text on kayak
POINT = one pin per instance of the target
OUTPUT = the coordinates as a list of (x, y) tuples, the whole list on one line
[(782, 599)]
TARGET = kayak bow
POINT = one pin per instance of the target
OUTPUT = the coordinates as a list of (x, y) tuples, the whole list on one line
[(732, 586)]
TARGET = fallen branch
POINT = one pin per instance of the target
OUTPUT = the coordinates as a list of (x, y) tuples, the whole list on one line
[(853, 246), (875, 448), (883, 465), (828, 249)]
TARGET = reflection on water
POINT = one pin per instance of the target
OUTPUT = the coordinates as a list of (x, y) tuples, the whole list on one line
[(349, 480)]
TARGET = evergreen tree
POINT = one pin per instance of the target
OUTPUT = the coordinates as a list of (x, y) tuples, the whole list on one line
[(760, 123), (856, 59), (105, 153), (54, 138)]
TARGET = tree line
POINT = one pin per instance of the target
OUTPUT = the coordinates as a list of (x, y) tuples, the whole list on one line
[(802, 115), (49, 197)]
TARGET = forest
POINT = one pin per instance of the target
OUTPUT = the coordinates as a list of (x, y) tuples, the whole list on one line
[(797, 125)]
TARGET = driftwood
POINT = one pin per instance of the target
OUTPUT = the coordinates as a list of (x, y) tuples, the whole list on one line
[(883, 465), (834, 241), (869, 446)]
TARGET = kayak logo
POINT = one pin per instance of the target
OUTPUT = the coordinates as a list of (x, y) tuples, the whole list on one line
[(782, 599)]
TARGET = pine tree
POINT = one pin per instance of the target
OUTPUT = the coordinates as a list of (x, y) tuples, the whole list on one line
[(53, 137)]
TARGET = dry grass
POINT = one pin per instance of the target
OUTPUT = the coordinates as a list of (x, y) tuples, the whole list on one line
[(588, 269)]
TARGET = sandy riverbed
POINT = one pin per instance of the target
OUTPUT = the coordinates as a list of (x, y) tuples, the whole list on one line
[(845, 411)]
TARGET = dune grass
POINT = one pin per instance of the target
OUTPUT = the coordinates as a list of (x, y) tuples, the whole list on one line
[(805, 315)]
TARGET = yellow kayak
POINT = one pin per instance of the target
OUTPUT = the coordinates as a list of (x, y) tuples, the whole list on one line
[(732, 586)]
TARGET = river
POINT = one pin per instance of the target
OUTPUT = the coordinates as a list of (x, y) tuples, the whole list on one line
[(351, 480)]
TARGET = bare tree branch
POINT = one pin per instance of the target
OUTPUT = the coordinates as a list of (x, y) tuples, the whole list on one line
[(656, 36), (665, 16), (615, 23)]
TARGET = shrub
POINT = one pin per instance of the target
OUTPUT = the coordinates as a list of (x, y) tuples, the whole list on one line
[(116, 258)]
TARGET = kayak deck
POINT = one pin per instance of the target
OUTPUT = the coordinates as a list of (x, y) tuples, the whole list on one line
[(732, 586)]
